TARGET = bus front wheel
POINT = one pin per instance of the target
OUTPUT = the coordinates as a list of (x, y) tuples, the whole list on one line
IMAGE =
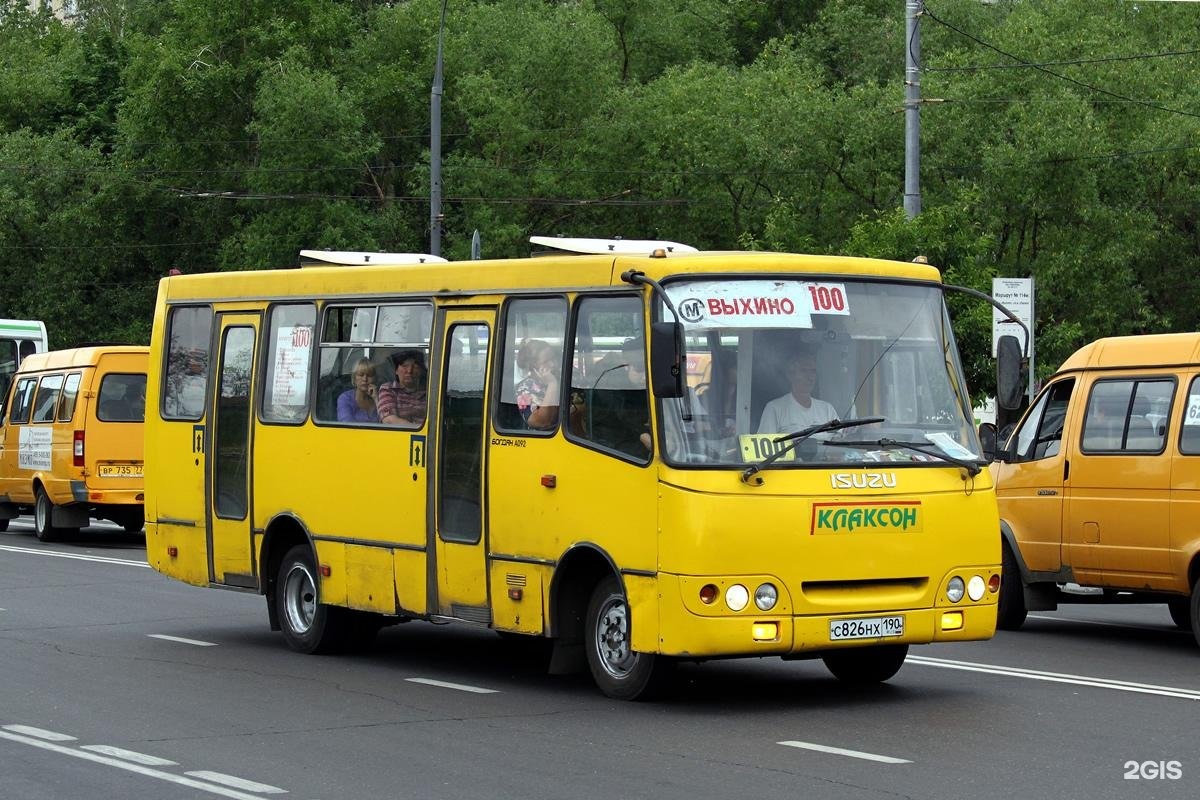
[(861, 666), (308, 625), (618, 670)]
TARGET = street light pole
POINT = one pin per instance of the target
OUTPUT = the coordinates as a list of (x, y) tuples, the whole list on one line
[(435, 147), (912, 107)]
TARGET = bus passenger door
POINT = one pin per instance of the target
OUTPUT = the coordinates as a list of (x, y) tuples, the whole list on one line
[(458, 575), (230, 560)]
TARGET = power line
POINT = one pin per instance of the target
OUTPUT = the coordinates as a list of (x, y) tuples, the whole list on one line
[(1104, 60), (1060, 76)]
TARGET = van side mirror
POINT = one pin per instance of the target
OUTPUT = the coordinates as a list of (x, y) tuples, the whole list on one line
[(666, 359), (1008, 373), (988, 439)]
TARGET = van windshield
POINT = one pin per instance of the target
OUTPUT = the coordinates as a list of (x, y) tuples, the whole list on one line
[(768, 358)]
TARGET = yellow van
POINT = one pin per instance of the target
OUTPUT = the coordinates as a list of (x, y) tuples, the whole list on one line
[(1099, 484), (71, 439)]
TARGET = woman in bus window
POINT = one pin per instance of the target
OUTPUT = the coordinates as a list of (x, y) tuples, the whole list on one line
[(357, 404), (538, 392)]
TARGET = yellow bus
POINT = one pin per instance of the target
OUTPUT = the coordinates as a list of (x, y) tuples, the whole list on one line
[(655, 519)]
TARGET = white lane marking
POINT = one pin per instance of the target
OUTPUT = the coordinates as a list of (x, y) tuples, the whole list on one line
[(76, 556), (129, 755), (1133, 626), (136, 768), (41, 733), (235, 782), (181, 640), (1057, 677), (838, 751), (462, 687)]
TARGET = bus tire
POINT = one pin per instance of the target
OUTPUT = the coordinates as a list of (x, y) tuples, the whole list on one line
[(863, 666), (43, 517), (308, 625), (1010, 608), (1181, 612), (3, 525), (619, 672)]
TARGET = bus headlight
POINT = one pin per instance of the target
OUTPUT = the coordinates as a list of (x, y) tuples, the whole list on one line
[(975, 588), (956, 589), (766, 596), (736, 597)]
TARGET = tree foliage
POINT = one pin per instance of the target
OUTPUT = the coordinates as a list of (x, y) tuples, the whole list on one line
[(1059, 141)]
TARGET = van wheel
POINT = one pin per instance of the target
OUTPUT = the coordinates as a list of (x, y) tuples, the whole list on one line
[(1181, 612), (308, 625), (618, 670), (1195, 604), (1010, 609), (863, 666), (134, 521), (43, 513)]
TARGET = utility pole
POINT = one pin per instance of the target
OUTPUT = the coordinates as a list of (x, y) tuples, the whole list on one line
[(435, 147), (912, 107)]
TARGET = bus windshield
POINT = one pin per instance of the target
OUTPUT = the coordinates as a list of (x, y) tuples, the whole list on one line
[(770, 358)]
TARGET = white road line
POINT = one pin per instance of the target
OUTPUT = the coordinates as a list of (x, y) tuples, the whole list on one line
[(41, 733), (1126, 625), (838, 751), (135, 768), (76, 556), (130, 755), (181, 640), (462, 687), (1057, 677), (236, 783)]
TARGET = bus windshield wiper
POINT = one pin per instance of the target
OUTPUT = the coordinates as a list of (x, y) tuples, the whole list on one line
[(799, 436), (971, 467)]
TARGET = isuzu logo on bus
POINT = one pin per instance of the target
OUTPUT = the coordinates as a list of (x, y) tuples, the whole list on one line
[(863, 480)]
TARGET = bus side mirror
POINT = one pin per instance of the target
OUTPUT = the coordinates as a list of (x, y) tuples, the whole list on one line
[(666, 359), (1008, 373), (987, 439)]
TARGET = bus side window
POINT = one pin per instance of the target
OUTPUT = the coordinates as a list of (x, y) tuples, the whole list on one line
[(534, 331), (609, 373)]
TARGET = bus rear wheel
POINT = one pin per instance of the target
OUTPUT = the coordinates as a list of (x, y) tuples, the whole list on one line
[(308, 625), (3, 525), (861, 666), (618, 670), (43, 516)]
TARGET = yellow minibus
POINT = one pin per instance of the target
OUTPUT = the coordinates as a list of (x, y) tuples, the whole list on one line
[(1098, 484), (525, 445), (71, 439)]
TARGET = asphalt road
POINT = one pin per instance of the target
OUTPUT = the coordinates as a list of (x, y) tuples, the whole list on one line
[(120, 683)]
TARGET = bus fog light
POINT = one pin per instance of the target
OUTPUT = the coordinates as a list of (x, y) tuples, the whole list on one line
[(766, 596), (952, 620), (765, 631), (955, 590), (975, 588), (736, 597)]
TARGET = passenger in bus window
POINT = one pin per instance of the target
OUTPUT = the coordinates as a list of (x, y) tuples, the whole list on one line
[(357, 404), (797, 409), (538, 392), (402, 401), (623, 421)]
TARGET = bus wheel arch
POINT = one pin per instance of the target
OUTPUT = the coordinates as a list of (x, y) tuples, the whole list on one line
[(576, 575), (282, 534)]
